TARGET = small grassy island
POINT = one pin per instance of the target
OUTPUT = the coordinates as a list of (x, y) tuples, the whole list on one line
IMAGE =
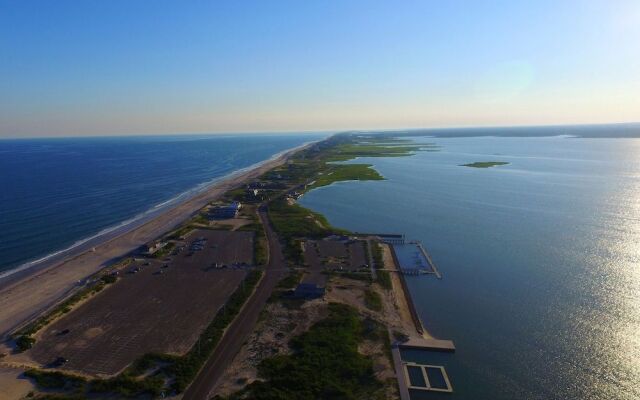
[(485, 164)]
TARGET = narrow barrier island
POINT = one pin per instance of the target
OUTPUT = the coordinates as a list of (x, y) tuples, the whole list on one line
[(325, 332)]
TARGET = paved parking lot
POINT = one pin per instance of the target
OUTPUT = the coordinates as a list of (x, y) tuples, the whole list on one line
[(162, 308)]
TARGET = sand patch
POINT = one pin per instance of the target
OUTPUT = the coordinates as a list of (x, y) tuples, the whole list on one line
[(12, 385), (93, 332)]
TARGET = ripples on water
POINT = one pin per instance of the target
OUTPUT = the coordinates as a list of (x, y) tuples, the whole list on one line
[(541, 288), (55, 192)]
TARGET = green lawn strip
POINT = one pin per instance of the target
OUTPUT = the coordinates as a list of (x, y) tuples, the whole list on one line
[(325, 363), (485, 164)]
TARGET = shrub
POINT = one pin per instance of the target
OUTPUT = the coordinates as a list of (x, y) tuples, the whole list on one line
[(325, 364), (55, 379), (372, 300), (24, 342), (384, 279)]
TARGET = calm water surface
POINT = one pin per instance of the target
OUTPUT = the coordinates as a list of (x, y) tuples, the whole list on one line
[(540, 258)]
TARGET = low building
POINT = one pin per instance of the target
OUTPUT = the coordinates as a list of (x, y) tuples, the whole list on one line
[(152, 247), (225, 212)]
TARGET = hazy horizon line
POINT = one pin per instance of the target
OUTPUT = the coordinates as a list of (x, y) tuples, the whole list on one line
[(329, 131)]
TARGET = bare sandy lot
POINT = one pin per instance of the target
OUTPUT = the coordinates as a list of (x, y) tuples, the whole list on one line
[(162, 308), (12, 386)]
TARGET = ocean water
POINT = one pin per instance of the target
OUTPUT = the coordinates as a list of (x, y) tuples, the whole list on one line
[(540, 258), (55, 193)]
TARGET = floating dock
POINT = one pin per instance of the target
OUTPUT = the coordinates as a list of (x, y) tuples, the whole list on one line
[(391, 238), (432, 265)]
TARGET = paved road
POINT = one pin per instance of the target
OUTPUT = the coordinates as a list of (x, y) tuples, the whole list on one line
[(243, 325)]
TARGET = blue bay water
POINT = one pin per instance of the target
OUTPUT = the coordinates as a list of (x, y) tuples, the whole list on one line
[(540, 258), (56, 192)]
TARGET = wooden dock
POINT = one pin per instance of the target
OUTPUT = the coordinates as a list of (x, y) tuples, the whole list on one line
[(432, 265)]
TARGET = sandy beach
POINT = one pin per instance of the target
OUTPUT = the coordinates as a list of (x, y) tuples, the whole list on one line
[(24, 297)]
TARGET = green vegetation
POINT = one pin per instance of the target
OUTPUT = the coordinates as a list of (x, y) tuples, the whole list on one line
[(108, 279), (128, 386), (24, 342), (180, 232), (382, 277), (325, 364), (163, 252), (376, 252), (347, 172), (372, 300), (292, 221), (200, 218), (290, 281), (286, 284), (350, 151), (485, 164), (56, 397), (184, 369), (55, 380), (179, 370), (259, 240)]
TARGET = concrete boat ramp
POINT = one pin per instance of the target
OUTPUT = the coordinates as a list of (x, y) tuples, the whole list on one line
[(428, 344)]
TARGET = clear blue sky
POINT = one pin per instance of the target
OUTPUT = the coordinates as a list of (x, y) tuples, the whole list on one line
[(95, 67)]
